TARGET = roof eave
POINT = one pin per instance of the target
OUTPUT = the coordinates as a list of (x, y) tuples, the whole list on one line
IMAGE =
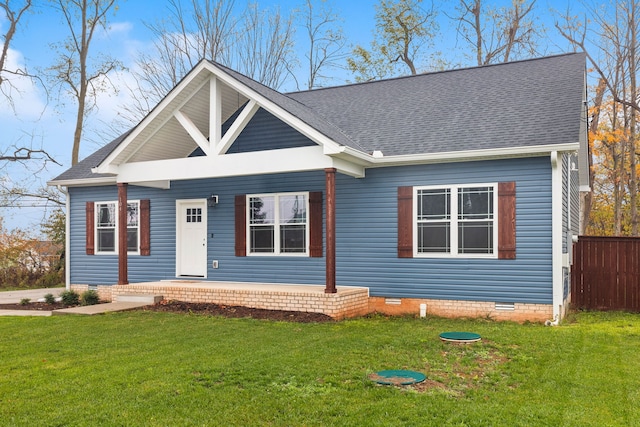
[(83, 182), (456, 156)]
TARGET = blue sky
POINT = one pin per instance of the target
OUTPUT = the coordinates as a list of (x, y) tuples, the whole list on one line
[(50, 126)]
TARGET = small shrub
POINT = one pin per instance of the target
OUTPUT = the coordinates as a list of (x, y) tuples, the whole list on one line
[(49, 299), (25, 301), (50, 279), (89, 298), (70, 298)]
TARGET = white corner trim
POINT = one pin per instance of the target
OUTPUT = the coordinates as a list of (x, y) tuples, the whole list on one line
[(556, 235)]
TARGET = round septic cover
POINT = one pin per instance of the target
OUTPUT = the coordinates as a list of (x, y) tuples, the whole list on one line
[(459, 336), (397, 377)]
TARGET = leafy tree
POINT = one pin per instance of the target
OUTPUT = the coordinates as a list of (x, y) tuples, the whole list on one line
[(404, 29)]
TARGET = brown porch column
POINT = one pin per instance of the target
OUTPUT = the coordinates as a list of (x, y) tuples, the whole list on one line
[(123, 273), (330, 179)]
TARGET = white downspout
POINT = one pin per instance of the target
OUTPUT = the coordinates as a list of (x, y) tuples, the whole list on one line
[(67, 240), (556, 236)]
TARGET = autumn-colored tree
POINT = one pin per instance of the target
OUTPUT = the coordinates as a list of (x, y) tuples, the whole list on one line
[(613, 60)]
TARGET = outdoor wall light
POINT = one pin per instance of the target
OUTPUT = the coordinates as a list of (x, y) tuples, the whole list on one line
[(212, 200)]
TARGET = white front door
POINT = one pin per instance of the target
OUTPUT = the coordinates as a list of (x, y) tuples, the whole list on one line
[(191, 238)]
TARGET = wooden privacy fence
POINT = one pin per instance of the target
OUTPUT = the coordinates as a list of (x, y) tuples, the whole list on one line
[(606, 273)]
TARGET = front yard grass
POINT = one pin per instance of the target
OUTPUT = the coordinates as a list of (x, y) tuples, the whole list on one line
[(161, 369)]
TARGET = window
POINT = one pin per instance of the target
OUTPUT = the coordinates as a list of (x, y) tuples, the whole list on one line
[(456, 221), (107, 227), (277, 224)]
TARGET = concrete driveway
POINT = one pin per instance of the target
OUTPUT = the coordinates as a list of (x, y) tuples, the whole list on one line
[(13, 297)]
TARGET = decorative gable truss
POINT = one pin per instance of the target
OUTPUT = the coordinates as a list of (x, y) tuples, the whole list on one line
[(158, 150)]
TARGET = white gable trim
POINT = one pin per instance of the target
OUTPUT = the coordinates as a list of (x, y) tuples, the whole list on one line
[(214, 146), (237, 127), (237, 164), (107, 164), (277, 111), (193, 131)]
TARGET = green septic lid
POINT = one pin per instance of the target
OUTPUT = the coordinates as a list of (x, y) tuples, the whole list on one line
[(459, 336), (397, 377)]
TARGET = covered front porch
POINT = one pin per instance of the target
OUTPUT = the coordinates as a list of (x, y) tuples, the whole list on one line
[(344, 303)]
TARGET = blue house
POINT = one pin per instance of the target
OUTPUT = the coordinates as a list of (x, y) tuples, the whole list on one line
[(454, 192)]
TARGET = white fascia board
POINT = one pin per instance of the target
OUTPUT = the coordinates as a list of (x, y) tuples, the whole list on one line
[(84, 182), (238, 164), (471, 155), (276, 110)]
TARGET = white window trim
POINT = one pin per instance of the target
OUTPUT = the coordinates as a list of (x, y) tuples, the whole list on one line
[(276, 237), (116, 245), (454, 222)]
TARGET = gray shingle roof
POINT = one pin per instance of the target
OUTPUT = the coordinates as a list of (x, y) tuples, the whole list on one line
[(519, 104), (82, 169)]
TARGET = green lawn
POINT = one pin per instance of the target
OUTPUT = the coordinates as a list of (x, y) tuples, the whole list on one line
[(163, 369)]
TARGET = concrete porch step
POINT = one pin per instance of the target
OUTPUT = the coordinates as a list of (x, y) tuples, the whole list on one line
[(140, 298), (90, 310)]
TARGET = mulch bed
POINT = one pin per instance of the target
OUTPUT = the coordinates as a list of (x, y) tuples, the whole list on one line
[(39, 306), (238, 312)]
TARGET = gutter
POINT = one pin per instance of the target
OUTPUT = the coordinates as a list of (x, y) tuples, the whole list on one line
[(378, 159)]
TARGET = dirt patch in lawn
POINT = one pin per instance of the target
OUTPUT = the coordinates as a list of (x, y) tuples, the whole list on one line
[(238, 312)]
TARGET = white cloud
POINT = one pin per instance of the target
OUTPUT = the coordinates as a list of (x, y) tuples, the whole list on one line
[(21, 96), (118, 29)]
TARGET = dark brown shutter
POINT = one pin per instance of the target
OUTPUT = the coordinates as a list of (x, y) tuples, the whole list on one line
[(241, 225), (405, 222), (507, 220), (315, 224), (145, 227), (90, 221)]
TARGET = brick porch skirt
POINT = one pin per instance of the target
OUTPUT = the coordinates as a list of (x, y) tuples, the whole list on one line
[(346, 303)]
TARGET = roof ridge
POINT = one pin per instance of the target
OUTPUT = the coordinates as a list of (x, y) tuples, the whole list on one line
[(429, 73)]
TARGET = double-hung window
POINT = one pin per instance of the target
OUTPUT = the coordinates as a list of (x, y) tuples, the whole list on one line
[(456, 221), (106, 229), (278, 224)]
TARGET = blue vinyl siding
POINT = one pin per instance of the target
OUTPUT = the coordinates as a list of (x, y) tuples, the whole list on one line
[(265, 132), (366, 235)]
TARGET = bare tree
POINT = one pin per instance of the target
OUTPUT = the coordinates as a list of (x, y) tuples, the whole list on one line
[(615, 63), (498, 35), (326, 41), (74, 71), (203, 29), (257, 43), (403, 30), (265, 46), (15, 16)]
